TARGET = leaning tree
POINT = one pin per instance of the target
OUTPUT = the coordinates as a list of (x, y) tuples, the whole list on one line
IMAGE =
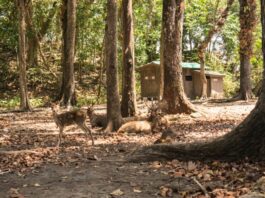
[(216, 27), (246, 140), (172, 23)]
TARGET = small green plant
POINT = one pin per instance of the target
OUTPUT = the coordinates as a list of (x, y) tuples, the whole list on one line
[(37, 102), (14, 102), (88, 99), (231, 85), (9, 103)]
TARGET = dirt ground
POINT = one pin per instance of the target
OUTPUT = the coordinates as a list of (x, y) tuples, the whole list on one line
[(32, 166)]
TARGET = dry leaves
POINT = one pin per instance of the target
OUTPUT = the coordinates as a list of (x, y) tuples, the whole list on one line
[(28, 141), (117, 192)]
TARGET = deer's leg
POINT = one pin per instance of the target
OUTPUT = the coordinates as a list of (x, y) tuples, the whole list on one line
[(87, 130), (60, 136)]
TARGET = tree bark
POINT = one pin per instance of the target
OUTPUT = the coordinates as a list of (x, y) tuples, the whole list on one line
[(248, 21), (35, 37), (24, 99), (32, 57), (128, 103), (113, 101), (177, 102), (67, 95), (204, 44), (246, 140)]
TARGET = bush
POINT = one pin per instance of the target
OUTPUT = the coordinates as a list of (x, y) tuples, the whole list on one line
[(231, 85)]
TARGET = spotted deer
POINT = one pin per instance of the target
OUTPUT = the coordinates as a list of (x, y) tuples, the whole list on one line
[(155, 122), (96, 119), (68, 118)]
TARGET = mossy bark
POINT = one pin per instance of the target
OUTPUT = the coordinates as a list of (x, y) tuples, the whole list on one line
[(248, 21)]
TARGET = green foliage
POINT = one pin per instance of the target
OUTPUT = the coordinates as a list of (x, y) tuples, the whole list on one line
[(9, 103), (147, 30), (14, 102), (229, 35), (214, 62), (86, 99), (231, 85), (199, 17), (257, 60)]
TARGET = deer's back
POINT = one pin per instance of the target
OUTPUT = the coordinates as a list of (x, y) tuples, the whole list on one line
[(72, 117)]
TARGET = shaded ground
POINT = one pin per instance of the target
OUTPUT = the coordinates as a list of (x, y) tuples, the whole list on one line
[(31, 165)]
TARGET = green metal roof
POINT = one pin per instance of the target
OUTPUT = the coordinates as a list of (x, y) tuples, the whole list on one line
[(186, 65), (190, 65)]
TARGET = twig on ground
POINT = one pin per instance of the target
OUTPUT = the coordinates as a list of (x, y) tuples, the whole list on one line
[(201, 187)]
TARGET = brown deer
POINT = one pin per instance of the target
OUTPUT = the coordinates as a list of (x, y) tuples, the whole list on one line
[(135, 127), (156, 122), (68, 118), (96, 119)]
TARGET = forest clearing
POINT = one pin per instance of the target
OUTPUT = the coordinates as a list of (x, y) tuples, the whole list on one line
[(131, 98), (32, 166)]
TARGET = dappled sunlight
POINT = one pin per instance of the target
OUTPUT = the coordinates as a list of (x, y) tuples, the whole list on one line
[(28, 145), (35, 134)]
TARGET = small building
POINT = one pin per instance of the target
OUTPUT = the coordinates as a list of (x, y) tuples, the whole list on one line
[(151, 81)]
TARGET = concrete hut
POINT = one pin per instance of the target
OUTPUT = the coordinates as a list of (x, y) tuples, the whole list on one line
[(151, 81)]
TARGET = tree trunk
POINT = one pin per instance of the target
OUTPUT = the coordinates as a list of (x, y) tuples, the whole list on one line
[(67, 95), (35, 37), (248, 21), (217, 26), (174, 95), (32, 55), (246, 140), (24, 100), (113, 101), (128, 103), (32, 58), (202, 74)]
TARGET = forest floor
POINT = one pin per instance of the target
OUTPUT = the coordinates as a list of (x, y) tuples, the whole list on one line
[(32, 166)]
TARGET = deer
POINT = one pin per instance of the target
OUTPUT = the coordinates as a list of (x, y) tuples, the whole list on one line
[(155, 122), (96, 119), (68, 118), (135, 127)]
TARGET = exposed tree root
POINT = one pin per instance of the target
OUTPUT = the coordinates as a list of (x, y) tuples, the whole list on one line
[(242, 96), (247, 140)]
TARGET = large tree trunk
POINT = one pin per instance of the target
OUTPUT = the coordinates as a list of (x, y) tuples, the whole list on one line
[(204, 44), (246, 140), (128, 103), (174, 95), (113, 101), (67, 95), (24, 99), (248, 21)]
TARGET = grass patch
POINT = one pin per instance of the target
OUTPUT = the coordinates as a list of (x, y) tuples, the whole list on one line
[(14, 102)]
